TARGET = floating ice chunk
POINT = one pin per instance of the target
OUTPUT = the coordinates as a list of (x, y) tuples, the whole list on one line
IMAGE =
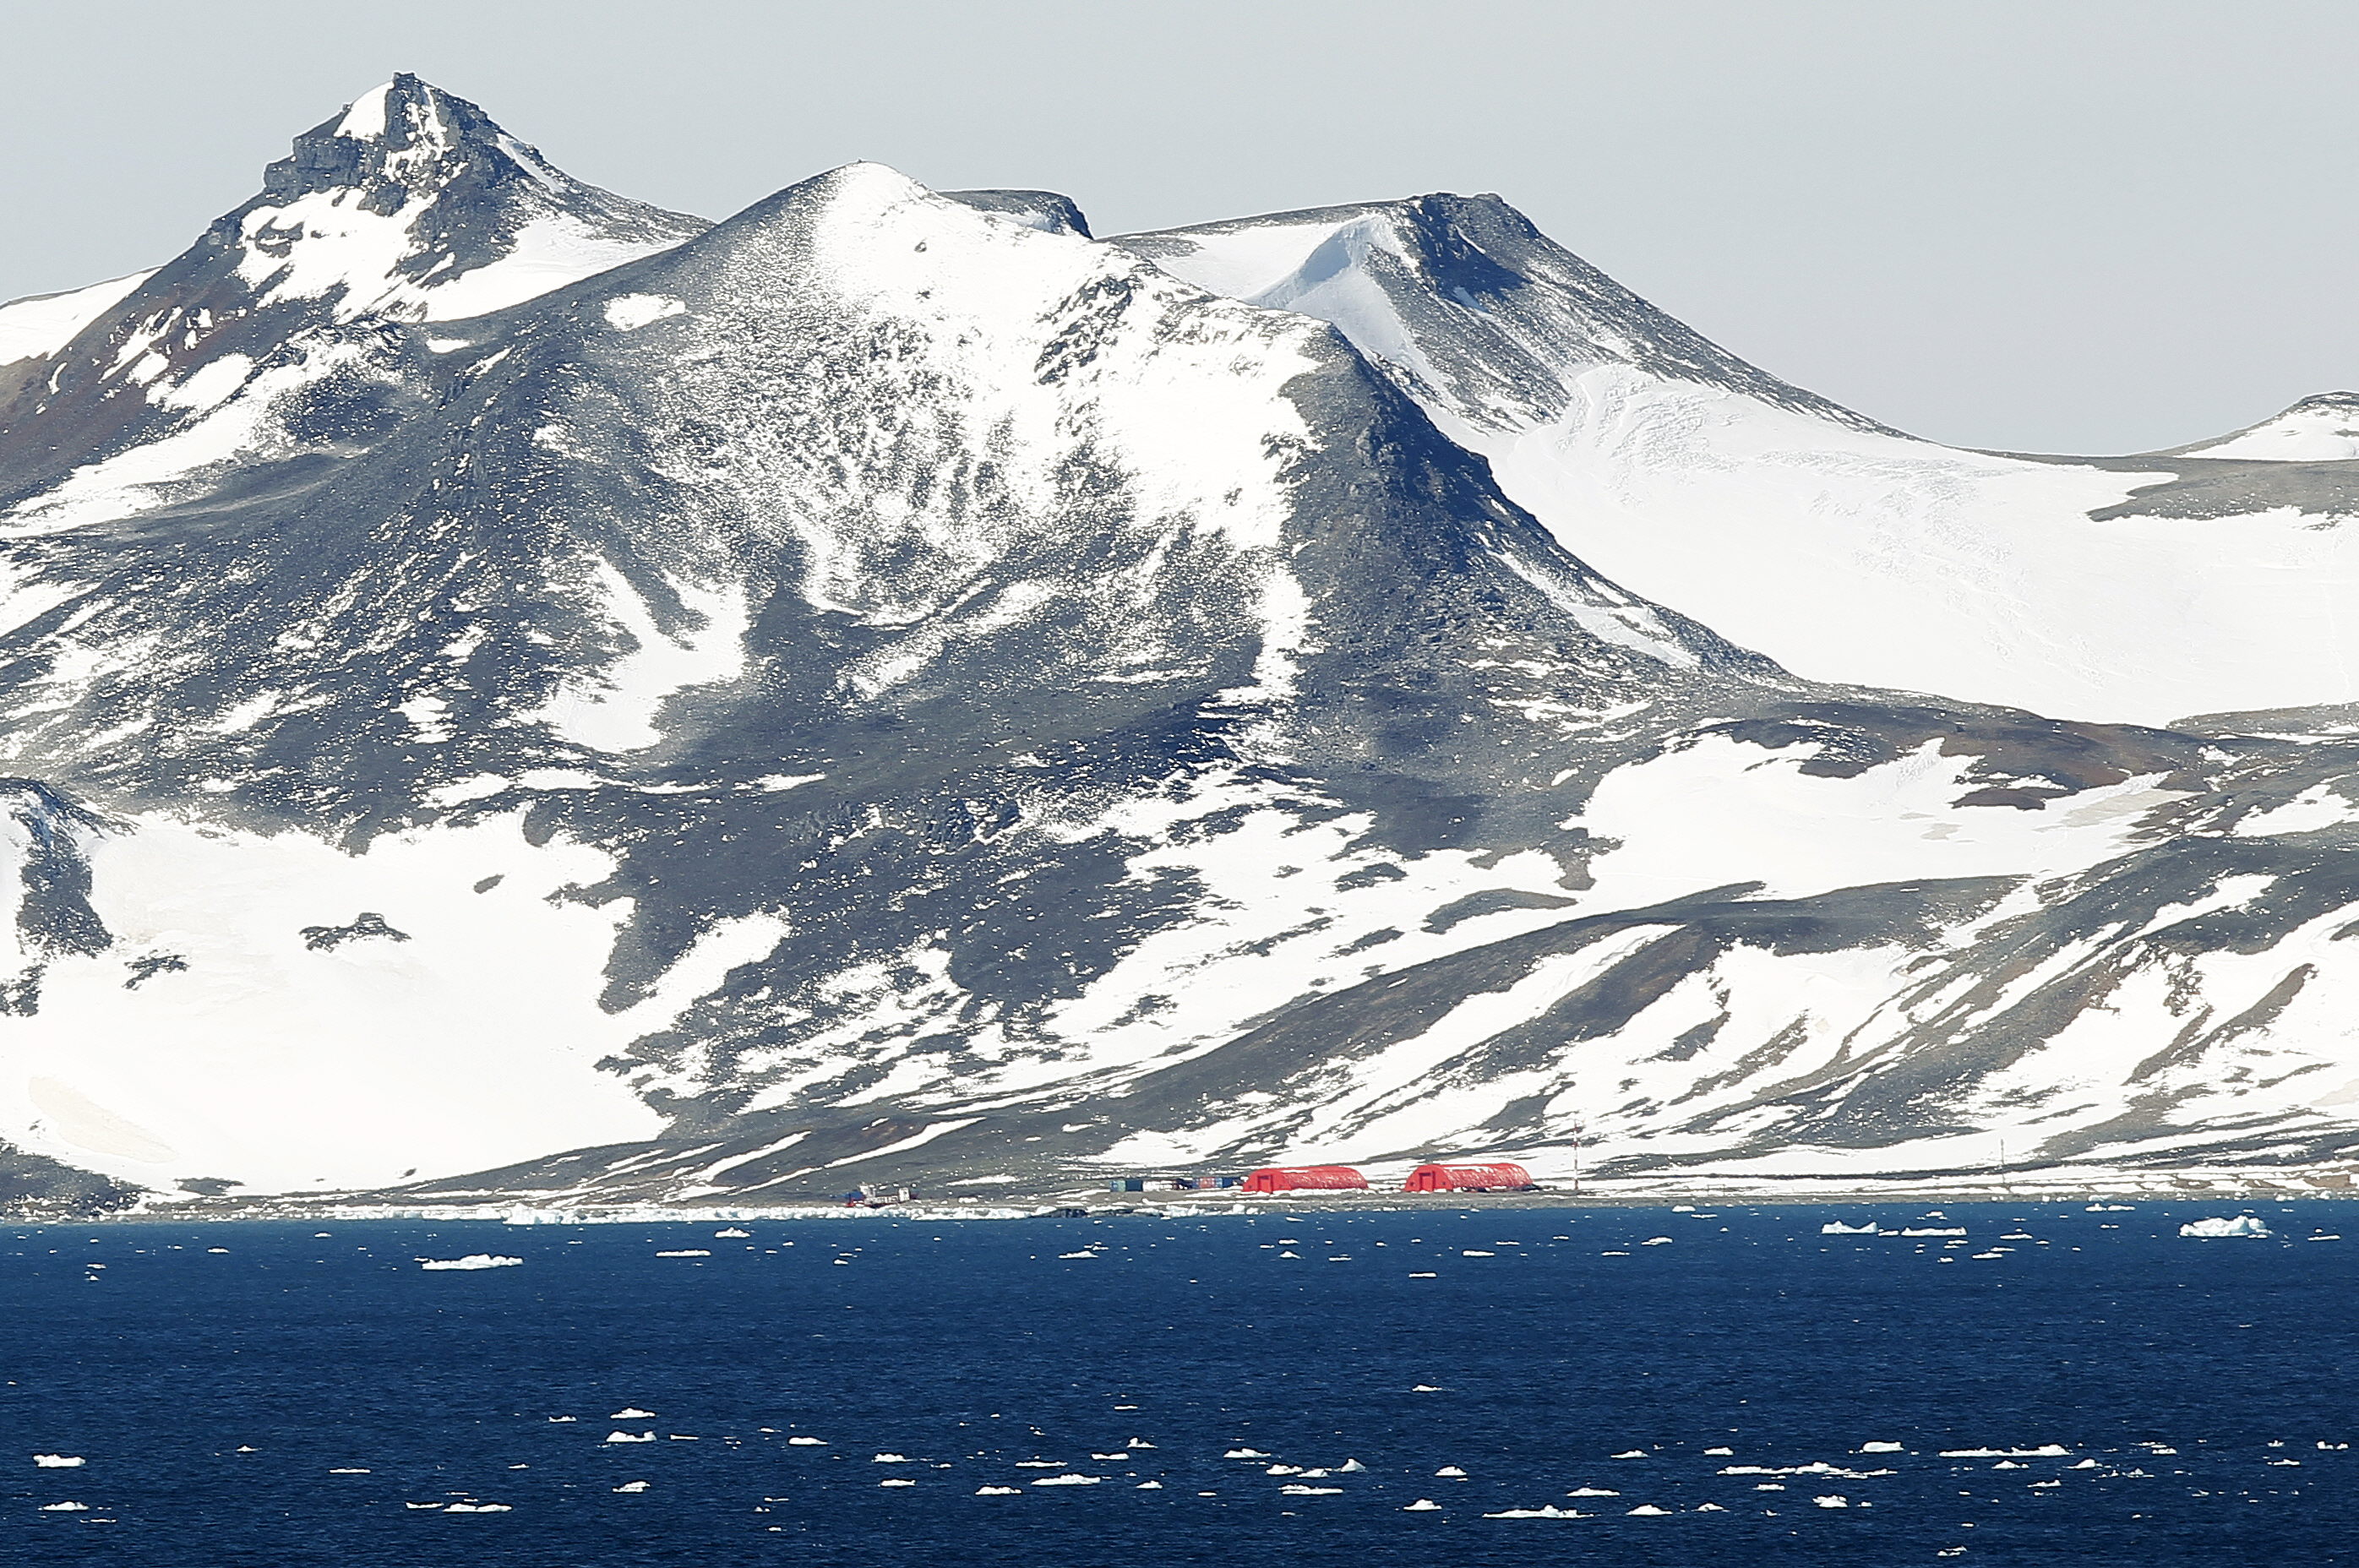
[(1293, 1254), (1427, 1389), (1073, 1480), (2084, 1464), (1148, 1486), (2243, 1225), (891, 1459), (619, 1435), (1632, 1453), (2323, 1238), (1422, 1506), (1833, 1501), (1244, 1453), (687, 1252), (632, 1486), (1836, 1228), (1453, 1471), (2044, 1450), (1283, 1470), (563, 1419), (998, 1491), (58, 1461), (632, 1413), (1657, 1241), (471, 1261), (1547, 1510), (435, 1506), (897, 1481), (216, 1249), (1291, 1490), (347, 1470), (732, 1234), (1592, 1492), (1719, 1452), (1353, 1467), (1936, 1230), (1424, 1276), (1470, 1252), (1088, 1254), (1650, 1508), (1879, 1448), (1710, 1509), (808, 1442), (65, 1508), (1039, 1464), (478, 1508)]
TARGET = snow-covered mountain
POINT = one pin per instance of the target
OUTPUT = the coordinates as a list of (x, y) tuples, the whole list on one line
[(890, 684), (2136, 589)]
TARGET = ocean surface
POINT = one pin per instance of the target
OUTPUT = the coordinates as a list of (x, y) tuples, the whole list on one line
[(2056, 1385)]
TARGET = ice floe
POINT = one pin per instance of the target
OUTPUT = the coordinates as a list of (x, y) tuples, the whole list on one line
[(2244, 1226), (58, 1461), (471, 1261), (1422, 1506), (686, 1252)]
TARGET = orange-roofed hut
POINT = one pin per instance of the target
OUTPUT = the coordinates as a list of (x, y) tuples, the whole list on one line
[(1489, 1176)]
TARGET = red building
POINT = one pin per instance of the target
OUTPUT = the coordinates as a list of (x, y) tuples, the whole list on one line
[(1499, 1176), (1305, 1178)]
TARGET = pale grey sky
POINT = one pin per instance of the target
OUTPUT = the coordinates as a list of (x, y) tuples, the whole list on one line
[(2079, 225)]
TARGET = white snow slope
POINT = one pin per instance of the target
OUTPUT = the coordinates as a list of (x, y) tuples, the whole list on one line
[(1845, 551)]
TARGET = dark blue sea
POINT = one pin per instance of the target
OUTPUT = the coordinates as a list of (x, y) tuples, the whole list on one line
[(2055, 1386)]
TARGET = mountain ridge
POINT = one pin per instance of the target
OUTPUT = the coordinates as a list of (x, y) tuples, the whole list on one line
[(890, 682)]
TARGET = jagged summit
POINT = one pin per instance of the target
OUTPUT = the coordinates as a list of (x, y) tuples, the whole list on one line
[(279, 329)]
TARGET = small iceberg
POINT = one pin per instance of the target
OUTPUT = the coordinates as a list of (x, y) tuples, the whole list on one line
[(687, 1252), (2243, 1226), (619, 1435), (1545, 1510), (478, 1508), (1069, 1480), (1836, 1228), (471, 1261), (65, 1508), (1631, 1453), (806, 1442), (347, 1470), (1452, 1472), (1933, 1230), (1148, 1486), (1657, 1241), (1422, 1506), (58, 1461), (1650, 1508), (632, 1413), (891, 1459), (998, 1491), (897, 1481), (625, 1486), (1879, 1448), (1244, 1453), (1833, 1501), (1592, 1492), (1085, 1253), (732, 1234), (1297, 1491)]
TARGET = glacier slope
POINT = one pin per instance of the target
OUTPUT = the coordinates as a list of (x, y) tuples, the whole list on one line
[(2138, 589)]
